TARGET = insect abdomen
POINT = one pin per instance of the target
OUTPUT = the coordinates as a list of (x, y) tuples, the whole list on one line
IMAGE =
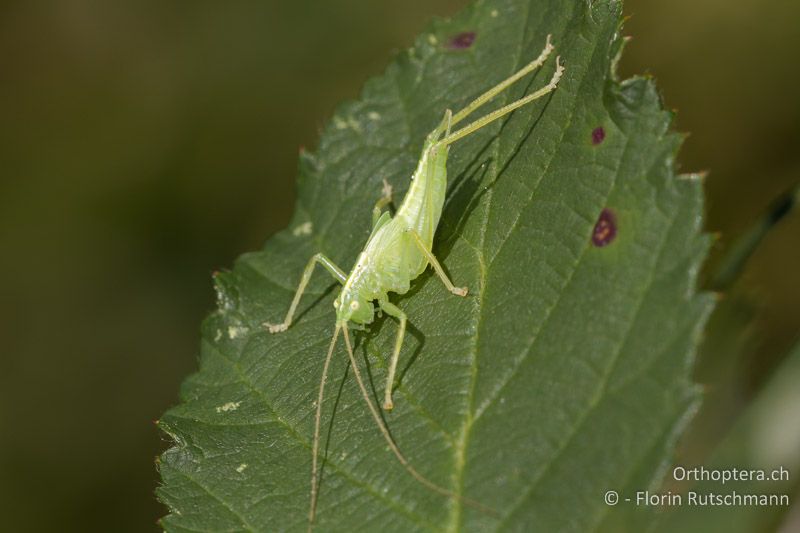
[(422, 206)]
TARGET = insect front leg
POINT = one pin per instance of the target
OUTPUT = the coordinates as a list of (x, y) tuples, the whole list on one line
[(458, 291), (398, 313), (384, 200), (330, 266)]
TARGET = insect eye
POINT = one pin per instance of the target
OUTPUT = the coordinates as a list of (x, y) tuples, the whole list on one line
[(336, 303), (354, 305)]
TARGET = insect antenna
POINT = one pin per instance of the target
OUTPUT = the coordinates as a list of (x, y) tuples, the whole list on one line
[(315, 448), (390, 441)]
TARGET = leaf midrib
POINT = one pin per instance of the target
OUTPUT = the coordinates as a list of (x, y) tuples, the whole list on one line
[(470, 419)]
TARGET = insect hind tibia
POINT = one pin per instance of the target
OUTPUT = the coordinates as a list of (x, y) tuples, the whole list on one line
[(506, 109), (503, 85)]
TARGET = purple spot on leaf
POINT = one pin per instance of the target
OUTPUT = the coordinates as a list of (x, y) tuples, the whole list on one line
[(462, 40), (605, 229), (598, 134)]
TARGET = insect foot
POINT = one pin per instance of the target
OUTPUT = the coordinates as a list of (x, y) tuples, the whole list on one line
[(388, 405), (275, 328), (460, 291)]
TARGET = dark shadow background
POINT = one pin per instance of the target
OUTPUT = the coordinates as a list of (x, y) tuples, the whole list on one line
[(145, 144)]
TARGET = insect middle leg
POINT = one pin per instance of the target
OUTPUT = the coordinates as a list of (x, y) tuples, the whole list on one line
[(393, 310), (458, 291), (330, 266)]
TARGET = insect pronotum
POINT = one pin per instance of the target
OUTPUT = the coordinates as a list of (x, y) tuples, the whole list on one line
[(397, 251)]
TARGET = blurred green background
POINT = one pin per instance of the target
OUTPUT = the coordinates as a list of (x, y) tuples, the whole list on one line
[(147, 143)]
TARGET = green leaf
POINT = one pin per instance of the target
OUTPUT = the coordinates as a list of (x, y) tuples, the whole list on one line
[(564, 374)]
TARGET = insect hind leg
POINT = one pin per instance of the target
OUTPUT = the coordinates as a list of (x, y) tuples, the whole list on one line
[(442, 130), (503, 85), (474, 126)]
